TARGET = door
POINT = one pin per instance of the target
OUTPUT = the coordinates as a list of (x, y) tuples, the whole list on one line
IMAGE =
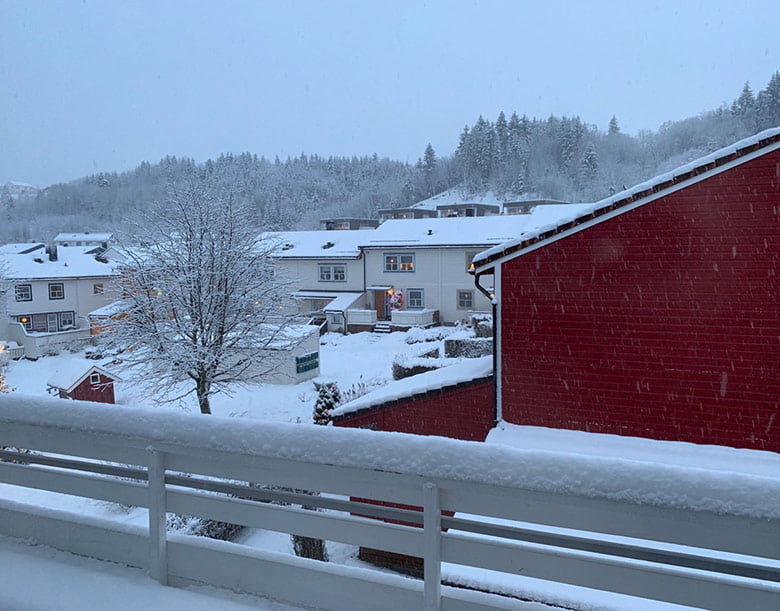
[(51, 323)]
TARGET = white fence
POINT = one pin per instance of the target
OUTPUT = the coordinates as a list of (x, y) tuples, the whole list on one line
[(719, 517)]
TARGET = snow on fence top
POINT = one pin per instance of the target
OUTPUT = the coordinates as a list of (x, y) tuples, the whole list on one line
[(433, 457), (561, 217), (469, 370)]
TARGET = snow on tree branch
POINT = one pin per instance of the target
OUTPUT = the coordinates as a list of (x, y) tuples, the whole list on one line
[(203, 302)]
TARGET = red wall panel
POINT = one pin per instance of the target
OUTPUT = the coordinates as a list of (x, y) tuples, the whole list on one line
[(661, 322), (464, 411)]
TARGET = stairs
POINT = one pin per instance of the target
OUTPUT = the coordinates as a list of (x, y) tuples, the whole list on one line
[(382, 327)]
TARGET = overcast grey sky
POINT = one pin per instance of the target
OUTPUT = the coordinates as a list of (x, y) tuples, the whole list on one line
[(89, 86)]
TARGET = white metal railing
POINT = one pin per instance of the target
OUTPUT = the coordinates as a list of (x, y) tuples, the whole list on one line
[(149, 453)]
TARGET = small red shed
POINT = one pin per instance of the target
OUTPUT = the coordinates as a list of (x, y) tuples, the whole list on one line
[(656, 313), (84, 380)]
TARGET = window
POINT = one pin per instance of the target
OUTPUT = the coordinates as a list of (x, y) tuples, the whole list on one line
[(94, 378), (307, 362), (67, 321), (56, 290), (399, 263), (23, 292), (26, 320), (333, 273), (465, 300), (97, 289), (470, 258), (415, 299)]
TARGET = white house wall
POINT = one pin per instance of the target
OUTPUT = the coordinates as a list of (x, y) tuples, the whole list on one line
[(304, 274), (78, 297), (440, 271)]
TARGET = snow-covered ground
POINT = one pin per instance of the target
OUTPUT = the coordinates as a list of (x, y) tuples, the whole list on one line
[(360, 358), (39, 578)]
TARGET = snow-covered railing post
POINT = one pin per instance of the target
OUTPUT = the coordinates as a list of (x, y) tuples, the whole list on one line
[(431, 547), (157, 535)]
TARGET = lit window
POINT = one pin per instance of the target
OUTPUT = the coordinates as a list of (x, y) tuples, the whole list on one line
[(465, 300), (415, 299), (23, 292), (333, 273), (56, 290), (399, 263), (26, 321)]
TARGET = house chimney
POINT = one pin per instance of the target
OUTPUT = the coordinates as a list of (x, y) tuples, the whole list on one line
[(51, 250)]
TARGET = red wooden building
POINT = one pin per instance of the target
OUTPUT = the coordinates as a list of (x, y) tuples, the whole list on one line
[(84, 380), (657, 315)]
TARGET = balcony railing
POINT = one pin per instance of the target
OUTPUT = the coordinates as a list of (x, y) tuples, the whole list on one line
[(140, 458)]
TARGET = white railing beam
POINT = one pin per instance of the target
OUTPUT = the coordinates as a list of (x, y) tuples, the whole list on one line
[(157, 517), (431, 547)]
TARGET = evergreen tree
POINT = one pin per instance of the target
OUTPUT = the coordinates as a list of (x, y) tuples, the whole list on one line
[(768, 104), (502, 137), (328, 399), (613, 126), (428, 167)]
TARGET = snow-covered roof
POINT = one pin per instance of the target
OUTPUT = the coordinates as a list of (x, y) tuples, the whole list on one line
[(466, 371), (72, 262), (83, 237), (112, 308), (454, 196), (22, 248), (342, 302), (569, 220), (318, 244), (74, 372), (460, 231)]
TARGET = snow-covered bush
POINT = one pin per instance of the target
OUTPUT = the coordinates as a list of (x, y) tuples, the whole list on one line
[(470, 348), (202, 527), (417, 335)]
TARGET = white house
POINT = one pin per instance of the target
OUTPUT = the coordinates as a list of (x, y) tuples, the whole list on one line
[(50, 292), (102, 240), (324, 268), (406, 272)]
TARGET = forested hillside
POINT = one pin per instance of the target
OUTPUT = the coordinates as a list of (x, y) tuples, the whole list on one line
[(515, 157)]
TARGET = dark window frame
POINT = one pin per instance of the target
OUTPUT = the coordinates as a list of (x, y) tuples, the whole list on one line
[(52, 288), (20, 288)]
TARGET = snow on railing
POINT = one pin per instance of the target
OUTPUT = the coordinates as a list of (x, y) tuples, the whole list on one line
[(515, 504)]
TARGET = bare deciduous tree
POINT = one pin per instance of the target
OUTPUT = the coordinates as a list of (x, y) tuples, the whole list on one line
[(202, 301)]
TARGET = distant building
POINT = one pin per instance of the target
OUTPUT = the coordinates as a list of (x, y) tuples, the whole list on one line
[(526, 206), (387, 214), (347, 224), (101, 240), (453, 210)]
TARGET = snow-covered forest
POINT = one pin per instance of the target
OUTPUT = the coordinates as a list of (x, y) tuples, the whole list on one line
[(514, 156)]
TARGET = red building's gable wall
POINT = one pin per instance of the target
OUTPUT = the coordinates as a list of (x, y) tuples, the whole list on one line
[(662, 322), (102, 393)]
